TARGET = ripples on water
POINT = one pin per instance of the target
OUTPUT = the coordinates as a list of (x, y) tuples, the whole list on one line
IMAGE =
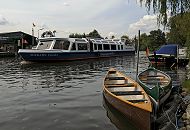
[(60, 96)]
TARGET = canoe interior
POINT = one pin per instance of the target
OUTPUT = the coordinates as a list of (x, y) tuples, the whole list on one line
[(124, 88), (156, 83), (153, 77)]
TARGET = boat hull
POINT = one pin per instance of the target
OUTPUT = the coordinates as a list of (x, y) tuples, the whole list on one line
[(168, 60), (48, 55), (127, 96), (139, 117)]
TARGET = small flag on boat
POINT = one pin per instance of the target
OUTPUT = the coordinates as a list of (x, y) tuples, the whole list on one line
[(24, 41), (147, 52)]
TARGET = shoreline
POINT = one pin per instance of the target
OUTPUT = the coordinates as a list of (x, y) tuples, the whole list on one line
[(185, 119)]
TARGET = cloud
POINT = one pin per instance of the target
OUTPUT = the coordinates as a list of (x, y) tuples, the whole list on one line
[(145, 24), (3, 20), (66, 4)]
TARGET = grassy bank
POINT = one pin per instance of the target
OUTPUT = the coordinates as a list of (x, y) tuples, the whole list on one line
[(186, 85)]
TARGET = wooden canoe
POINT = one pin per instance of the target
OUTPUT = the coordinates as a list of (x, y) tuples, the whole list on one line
[(128, 97), (156, 83)]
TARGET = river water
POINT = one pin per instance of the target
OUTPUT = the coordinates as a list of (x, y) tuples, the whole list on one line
[(63, 96)]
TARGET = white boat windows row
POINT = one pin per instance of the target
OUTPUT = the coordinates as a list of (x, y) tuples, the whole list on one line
[(108, 42), (80, 44), (108, 47)]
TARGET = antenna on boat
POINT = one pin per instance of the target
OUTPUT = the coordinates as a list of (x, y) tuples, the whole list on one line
[(138, 54)]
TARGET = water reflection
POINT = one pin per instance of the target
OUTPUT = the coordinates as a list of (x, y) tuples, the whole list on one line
[(117, 118), (70, 74)]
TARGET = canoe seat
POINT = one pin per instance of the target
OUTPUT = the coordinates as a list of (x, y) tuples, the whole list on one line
[(122, 85), (112, 72), (134, 98), (155, 82), (118, 93), (155, 76), (123, 89), (152, 78), (115, 78), (137, 101), (115, 81)]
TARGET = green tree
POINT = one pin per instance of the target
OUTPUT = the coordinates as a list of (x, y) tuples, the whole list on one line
[(153, 41), (48, 34), (77, 35), (179, 29), (127, 39), (144, 41), (94, 34), (156, 39)]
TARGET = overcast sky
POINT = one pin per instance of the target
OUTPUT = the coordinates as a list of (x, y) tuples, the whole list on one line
[(115, 17)]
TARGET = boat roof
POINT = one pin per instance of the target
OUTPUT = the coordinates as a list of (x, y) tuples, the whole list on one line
[(107, 41), (170, 49), (97, 41), (51, 38), (66, 38)]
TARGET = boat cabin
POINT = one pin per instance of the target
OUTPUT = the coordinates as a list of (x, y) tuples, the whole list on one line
[(108, 45), (80, 44)]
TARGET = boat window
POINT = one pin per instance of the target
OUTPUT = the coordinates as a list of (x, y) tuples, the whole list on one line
[(99, 46), (82, 46), (113, 47), (106, 47), (121, 47), (60, 44), (45, 44), (118, 47), (73, 46), (95, 46)]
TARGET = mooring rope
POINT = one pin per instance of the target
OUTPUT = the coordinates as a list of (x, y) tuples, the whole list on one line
[(169, 118)]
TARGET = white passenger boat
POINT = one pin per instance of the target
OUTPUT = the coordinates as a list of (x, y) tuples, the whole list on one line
[(64, 49)]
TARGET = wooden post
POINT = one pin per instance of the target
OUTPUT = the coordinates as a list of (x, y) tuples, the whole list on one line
[(32, 36), (177, 56), (138, 55)]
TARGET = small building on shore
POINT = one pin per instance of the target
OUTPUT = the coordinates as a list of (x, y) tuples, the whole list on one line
[(11, 42)]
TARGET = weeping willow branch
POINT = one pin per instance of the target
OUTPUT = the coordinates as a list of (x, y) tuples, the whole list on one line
[(167, 7)]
